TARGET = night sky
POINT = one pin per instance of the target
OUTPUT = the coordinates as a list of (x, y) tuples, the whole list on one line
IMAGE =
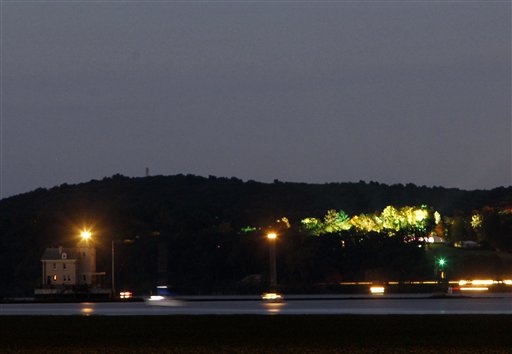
[(393, 92)]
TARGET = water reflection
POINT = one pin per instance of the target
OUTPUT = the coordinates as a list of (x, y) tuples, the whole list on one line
[(87, 309), (273, 308)]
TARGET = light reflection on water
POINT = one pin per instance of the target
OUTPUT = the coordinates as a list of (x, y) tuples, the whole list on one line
[(87, 309), (273, 307)]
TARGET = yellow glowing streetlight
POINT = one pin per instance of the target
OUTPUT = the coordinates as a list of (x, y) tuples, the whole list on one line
[(272, 236), (85, 235)]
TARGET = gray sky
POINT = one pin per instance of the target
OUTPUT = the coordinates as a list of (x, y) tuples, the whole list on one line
[(393, 92)]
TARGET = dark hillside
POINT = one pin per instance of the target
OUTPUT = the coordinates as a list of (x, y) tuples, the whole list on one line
[(198, 219)]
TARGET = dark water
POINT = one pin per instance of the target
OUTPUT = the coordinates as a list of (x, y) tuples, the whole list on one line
[(370, 306)]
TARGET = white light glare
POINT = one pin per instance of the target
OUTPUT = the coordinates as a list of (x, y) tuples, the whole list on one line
[(156, 298), (377, 290)]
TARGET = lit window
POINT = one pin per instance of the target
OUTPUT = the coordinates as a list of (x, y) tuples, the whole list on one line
[(55, 278)]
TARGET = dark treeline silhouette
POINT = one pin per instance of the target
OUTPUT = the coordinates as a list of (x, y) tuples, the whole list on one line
[(198, 222)]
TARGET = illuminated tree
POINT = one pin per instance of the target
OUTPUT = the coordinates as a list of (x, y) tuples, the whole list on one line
[(437, 218), (283, 223), (439, 229), (391, 219), (313, 225), (336, 221), (411, 221), (367, 223), (408, 218), (476, 222)]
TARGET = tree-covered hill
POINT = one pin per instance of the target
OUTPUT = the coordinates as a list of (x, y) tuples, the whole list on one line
[(199, 222)]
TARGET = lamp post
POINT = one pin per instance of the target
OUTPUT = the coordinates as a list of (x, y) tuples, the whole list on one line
[(112, 273), (440, 273), (272, 236)]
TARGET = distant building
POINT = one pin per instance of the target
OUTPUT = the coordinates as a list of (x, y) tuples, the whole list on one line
[(69, 266), (70, 271)]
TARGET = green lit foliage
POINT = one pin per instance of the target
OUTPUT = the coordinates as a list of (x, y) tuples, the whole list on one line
[(283, 223), (247, 229), (390, 218), (367, 223), (336, 221), (417, 218), (437, 218), (313, 225), (278, 225), (476, 221), (408, 220)]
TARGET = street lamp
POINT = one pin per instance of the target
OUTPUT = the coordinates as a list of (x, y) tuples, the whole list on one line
[(112, 272), (85, 235), (272, 236)]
